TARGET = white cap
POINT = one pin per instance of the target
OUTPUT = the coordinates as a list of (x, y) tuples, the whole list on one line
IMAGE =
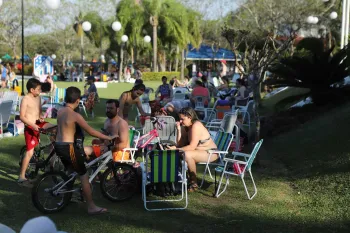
[(5, 229), (40, 225)]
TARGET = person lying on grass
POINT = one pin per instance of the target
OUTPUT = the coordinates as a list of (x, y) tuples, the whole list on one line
[(194, 139)]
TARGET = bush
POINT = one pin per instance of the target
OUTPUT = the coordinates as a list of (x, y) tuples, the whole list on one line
[(157, 76), (28, 70)]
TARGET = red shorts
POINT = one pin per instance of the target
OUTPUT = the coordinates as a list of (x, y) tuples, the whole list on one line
[(31, 136)]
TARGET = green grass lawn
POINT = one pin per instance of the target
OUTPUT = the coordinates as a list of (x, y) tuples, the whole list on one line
[(303, 186)]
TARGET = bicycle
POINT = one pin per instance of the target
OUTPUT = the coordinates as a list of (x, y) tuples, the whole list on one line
[(38, 161), (121, 176), (154, 134)]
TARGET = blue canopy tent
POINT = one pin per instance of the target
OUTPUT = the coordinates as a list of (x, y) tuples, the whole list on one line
[(205, 53)]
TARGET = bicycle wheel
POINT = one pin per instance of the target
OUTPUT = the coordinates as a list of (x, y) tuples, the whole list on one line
[(31, 171), (45, 196), (164, 143), (119, 182)]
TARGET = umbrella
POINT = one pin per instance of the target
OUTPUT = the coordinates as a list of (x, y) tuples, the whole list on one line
[(7, 57)]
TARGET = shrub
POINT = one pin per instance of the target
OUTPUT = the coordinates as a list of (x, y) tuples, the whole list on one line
[(157, 76), (28, 70)]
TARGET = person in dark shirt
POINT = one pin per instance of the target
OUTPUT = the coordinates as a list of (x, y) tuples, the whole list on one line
[(92, 87)]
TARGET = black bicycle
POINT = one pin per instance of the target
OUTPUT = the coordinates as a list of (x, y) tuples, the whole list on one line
[(38, 162)]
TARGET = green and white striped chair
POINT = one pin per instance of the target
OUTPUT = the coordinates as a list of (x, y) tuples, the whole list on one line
[(234, 167), (164, 168), (222, 141)]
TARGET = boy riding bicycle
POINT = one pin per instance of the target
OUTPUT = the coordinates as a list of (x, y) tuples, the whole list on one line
[(69, 143), (30, 115)]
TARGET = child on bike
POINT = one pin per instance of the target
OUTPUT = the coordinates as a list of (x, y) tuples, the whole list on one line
[(69, 143), (31, 116)]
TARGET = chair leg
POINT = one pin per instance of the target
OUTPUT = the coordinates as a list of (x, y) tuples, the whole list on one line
[(205, 171), (218, 193), (246, 189)]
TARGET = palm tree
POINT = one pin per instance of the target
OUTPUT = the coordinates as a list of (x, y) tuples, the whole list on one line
[(312, 67)]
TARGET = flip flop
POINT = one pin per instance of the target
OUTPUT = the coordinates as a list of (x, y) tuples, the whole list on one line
[(24, 183), (101, 211)]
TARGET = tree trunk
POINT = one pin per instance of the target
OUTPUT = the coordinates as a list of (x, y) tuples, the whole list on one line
[(132, 55), (154, 23), (177, 58), (170, 64), (182, 64)]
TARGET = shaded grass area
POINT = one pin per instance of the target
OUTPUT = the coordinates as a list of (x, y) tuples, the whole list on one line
[(302, 180)]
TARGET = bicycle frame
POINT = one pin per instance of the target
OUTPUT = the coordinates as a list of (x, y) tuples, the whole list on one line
[(106, 157), (151, 135)]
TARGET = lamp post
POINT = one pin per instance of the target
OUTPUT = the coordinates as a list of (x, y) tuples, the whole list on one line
[(86, 26), (53, 4), (345, 24), (117, 26), (124, 40)]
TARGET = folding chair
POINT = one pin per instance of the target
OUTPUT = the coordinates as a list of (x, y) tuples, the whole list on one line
[(11, 95), (134, 137), (164, 169), (5, 115), (168, 132), (234, 167), (179, 96), (222, 141)]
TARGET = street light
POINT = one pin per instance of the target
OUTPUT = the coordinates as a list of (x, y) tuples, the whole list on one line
[(86, 26), (147, 39), (124, 40), (53, 56), (116, 26), (53, 4), (333, 15)]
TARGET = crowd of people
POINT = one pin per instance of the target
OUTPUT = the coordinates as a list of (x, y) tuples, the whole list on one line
[(192, 136)]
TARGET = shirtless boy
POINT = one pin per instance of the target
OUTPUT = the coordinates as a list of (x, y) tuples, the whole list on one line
[(115, 125), (69, 143), (30, 115), (128, 98)]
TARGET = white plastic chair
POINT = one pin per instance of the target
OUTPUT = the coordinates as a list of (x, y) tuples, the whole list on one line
[(179, 96), (234, 167), (5, 115)]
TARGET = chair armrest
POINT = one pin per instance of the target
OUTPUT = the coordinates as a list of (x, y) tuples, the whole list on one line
[(130, 149), (240, 154), (226, 160), (217, 152)]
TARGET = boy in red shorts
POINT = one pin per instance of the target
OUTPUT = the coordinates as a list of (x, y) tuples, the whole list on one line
[(30, 115)]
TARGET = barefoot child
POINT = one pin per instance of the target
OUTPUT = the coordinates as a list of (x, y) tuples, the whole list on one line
[(30, 115), (69, 143)]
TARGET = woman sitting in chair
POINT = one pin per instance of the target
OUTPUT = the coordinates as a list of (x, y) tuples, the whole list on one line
[(194, 139)]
